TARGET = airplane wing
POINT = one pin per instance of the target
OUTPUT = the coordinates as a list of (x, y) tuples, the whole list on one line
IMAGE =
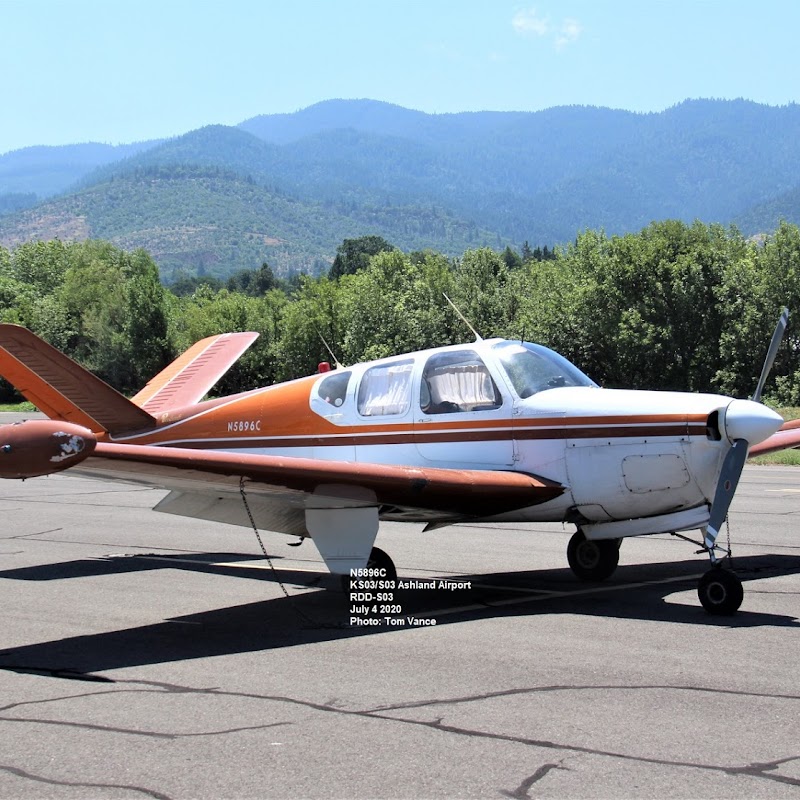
[(187, 379), (206, 485), (786, 438)]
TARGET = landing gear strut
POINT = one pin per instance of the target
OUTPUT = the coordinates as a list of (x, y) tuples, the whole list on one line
[(720, 591), (592, 560)]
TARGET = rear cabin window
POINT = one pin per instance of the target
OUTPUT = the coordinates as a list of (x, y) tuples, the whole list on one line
[(457, 381), (386, 389)]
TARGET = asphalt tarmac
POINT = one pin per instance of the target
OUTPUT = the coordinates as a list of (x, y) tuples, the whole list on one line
[(145, 655)]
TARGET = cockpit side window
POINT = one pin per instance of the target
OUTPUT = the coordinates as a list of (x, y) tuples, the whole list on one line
[(386, 389), (457, 381)]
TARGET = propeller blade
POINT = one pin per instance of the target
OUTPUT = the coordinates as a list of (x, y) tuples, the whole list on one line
[(726, 488), (777, 337)]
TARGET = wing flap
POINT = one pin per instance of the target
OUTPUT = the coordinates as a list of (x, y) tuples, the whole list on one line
[(187, 379), (272, 513)]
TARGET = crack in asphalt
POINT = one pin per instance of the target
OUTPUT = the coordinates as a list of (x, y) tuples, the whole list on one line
[(126, 731), (760, 769), (522, 791), (139, 732), (74, 497), (30, 535), (755, 769), (21, 773), (587, 687)]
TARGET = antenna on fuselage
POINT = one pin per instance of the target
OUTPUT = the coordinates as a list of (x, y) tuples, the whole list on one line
[(478, 337), (336, 361)]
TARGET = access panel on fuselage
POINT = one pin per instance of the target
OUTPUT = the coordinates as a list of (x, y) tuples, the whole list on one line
[(622, 478)]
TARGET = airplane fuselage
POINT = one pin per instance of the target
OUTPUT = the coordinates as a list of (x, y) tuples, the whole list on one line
[(496, 405)]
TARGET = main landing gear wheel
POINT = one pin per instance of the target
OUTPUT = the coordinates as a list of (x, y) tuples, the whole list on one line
[(720, 591), (592, 560), (378, 559)]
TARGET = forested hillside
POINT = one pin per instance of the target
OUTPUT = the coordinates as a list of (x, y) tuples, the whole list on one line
[(212, 221), (762, 217), (44, 171), (288, 188), (673, 306)]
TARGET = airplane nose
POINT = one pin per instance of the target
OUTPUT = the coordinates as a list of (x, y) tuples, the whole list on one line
[(754, 422)]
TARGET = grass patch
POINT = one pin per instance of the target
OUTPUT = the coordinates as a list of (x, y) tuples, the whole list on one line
[(18, 407), (786, 458), (789, 413)]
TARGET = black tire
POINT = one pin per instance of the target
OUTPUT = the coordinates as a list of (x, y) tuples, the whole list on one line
[(720, 591), (592, 560), (378, 559)]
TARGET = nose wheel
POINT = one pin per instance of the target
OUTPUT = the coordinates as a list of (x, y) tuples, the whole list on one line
[(592, 560), (720, 591)]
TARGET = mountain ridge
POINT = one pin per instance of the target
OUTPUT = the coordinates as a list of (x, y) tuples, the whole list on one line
[(367, 167)]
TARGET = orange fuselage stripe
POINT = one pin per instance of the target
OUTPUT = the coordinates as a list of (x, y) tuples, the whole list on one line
[(281, 417)]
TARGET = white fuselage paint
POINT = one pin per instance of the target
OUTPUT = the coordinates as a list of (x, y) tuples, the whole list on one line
[(622, 454)]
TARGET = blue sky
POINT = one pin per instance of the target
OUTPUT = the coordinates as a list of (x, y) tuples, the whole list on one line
[(128, 70)]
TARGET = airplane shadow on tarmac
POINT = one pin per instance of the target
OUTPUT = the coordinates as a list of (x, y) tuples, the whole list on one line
[(634, 592)]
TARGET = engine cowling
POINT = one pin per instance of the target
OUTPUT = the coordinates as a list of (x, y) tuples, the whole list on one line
[(42, 447)]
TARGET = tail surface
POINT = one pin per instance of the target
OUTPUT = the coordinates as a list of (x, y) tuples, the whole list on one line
[(62, 388), (187, 379), (66, 391)]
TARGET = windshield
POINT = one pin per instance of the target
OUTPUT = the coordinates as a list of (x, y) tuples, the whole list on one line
[(533, 368)]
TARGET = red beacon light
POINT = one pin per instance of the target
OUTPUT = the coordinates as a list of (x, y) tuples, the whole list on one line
[(324, 366)]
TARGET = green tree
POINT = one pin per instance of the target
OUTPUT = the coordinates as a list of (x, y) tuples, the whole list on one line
[(663, 284), (184, 284), (42, 264), (640, 310), (754, 289), (254, 283), (208, 312), (353, 255), (397, 305), (527, 253), (480, 292), (117, 304), (313, 314), (511, 258)]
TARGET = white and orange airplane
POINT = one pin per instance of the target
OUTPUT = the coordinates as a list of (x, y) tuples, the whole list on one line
[(494, 430)]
